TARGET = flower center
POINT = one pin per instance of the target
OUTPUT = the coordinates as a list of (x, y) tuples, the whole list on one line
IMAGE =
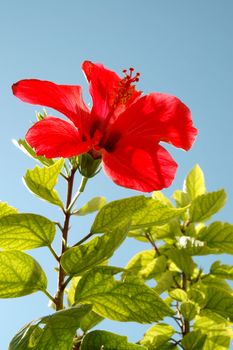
[(124, 91)]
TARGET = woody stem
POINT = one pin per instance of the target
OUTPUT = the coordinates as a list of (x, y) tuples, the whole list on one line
[(65, 230)]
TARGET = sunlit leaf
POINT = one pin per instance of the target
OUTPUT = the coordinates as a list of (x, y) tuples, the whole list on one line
[(206, 205), (195, 183), (178, 294), (56, 331), (218, 235), (6, 209), (189, 310), (157, 335), (98, 340), (222, 271), (130, 300), (25, 231), (193, 341), (20, 275), (41, 182), (93, 205), (142, 211), (25, 148), (79, 259), (147, 264)]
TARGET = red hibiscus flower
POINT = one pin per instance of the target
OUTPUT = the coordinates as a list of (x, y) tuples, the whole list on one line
[(123, 127)]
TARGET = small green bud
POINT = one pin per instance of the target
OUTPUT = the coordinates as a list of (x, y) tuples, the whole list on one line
[(88, 166)]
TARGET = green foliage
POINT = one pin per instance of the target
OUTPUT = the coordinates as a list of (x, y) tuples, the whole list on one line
[(194, 184), (6, 209), (25, 148), (25, 231), (93, 205), (206, 205), (157, 336), (98, 340), (20, 275), (147, 264), (220, 301), (135, 301), (222, 271), (193, 341), (79, 259), (219, 236), (141, 211), (164, 280), (90, 320), (41, 182), (56, 331)]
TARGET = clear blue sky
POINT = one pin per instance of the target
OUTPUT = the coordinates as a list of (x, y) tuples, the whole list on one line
[(179, 46)]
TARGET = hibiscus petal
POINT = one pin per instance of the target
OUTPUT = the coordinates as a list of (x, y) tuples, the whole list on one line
[(66, 99), (161, 116), (53, 137), (105, 87), (145, 168)]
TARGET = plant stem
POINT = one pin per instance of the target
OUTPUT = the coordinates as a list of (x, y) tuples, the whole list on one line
[(186, 324), (60, 291), (148, 236), (80, 190), (49, 296), (53, 252), (83, 239)]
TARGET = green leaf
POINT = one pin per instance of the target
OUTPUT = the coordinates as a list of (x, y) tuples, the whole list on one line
[(79, 259), (41, 182), (25, 148), (197, 295), (20, 275), (189, 310), (195, 183), (93, 205), (193, 341), (182, 198), (130, 300), (211, 280), (25, 231), (103, 340), (208, 321), (219, 236), (159, 196), (25, 338), (5, 209), (142, 211), (164, 282), (218, 330), (219, 301), (204, 206), (178, 294), (167, 231), (147, 264), (217, 342), (157, 335), (182, 260), (90, 320), (222, 271), (56, 331)]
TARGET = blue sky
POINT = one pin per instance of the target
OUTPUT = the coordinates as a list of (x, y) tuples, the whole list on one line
[(180, 47)]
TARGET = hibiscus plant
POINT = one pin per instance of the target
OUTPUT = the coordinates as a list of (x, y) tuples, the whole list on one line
[(185, 305)]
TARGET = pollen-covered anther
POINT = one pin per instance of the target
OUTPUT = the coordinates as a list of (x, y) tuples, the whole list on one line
[(129, 76), (123, 93)]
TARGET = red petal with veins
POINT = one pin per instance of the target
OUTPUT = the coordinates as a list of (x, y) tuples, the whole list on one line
[(161, 116), (53, 137), (145, 167), (66, 99)]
